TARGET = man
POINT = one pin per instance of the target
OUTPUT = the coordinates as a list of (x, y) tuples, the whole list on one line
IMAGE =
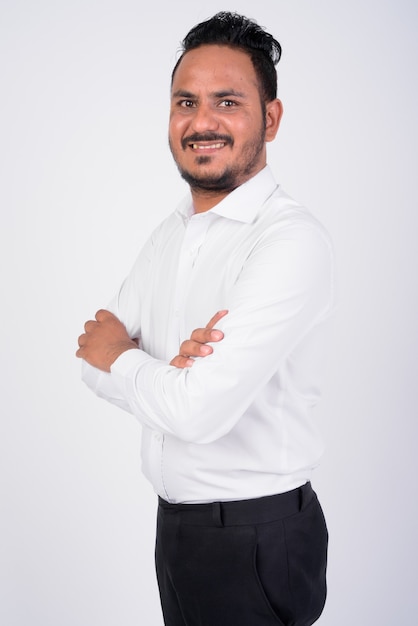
[(229, 442)]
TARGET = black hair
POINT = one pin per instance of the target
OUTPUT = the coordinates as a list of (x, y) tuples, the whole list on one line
[(237, 31)]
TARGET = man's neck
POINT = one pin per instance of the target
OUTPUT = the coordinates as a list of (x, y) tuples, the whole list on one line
[(205, 200)]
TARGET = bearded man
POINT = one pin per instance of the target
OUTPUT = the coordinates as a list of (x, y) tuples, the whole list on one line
[(229, 439)]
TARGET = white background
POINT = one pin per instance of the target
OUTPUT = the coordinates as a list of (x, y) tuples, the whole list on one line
[(85, 175)]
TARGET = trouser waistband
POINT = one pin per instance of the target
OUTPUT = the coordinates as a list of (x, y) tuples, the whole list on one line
[(241, 512)]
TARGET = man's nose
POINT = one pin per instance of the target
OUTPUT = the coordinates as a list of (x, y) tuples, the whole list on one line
[(205, 118)]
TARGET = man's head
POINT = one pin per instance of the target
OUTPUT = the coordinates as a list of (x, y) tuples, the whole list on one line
[(223, 103), (237, 31)]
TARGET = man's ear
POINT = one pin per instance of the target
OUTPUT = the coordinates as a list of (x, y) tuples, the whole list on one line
[(274, 112)]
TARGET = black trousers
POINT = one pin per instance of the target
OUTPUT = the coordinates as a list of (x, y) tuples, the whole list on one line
[(258, 562)]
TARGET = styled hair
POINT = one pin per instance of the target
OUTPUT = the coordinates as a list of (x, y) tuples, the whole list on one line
[(237, 31)]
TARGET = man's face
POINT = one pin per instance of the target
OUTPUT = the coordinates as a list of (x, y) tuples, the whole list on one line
[(217, 129)]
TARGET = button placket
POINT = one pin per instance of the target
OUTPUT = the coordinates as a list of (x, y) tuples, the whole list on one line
[(194, 237)]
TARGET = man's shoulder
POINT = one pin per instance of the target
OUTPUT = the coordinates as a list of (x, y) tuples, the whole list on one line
[(282, 212)]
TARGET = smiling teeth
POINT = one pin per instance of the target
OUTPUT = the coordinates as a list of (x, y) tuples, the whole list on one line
[(212, 146)]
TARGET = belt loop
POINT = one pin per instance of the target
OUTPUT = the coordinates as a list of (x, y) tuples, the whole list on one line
[(305, 494), (217, 514)]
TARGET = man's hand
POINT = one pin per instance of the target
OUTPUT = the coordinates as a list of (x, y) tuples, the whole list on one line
[(196, 345), (104, 340)]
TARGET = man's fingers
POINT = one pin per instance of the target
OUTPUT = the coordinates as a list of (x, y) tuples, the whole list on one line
[(181, 361), (215, 319), (89, 325), (206, 335), (103, 314), (197, 346), (81, 341), (203, 336), (192, 347)]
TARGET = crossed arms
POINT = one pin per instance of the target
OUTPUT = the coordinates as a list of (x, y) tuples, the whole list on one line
[(106, 338), (281, 296)]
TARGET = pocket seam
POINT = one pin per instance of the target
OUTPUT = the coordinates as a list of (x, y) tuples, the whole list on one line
[(260, 584)]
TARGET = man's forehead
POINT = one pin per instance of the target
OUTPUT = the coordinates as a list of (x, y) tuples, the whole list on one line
[(214, 62)]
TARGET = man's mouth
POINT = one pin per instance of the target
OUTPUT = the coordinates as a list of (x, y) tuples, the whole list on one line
[(206, 143), (210, 146)]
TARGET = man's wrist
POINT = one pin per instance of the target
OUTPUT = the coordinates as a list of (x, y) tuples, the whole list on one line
[(120, 348)]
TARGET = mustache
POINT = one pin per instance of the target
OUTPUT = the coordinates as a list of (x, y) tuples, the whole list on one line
[(196, 137)]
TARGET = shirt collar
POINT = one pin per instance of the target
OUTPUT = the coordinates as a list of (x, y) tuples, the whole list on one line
[(242, 204)]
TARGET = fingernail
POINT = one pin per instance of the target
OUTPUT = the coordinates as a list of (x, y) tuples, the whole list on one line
[(205, 350), (216, 335)]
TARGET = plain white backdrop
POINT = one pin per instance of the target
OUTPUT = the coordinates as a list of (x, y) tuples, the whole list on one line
[(85, 174)]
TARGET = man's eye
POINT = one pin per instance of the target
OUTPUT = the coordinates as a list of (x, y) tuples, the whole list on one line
[(227, 103), (187, 103)]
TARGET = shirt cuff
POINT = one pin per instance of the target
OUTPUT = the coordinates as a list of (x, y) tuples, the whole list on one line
[(128, 361), (134, 373)]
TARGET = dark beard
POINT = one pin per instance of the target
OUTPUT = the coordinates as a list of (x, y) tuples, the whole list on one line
[(227, 181), (230, 178)]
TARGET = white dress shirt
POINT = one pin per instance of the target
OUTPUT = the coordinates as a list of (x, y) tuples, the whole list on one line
[(239, 423)]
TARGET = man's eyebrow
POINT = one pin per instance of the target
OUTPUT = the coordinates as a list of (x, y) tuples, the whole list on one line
[(228, 92), (181, 93), (225, 93)]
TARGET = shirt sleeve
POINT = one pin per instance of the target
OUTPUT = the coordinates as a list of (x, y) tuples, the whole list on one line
[(126, 305), (103, 385), (282, 292)]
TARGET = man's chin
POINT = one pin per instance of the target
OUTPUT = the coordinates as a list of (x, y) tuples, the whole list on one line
[(210, 182)]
